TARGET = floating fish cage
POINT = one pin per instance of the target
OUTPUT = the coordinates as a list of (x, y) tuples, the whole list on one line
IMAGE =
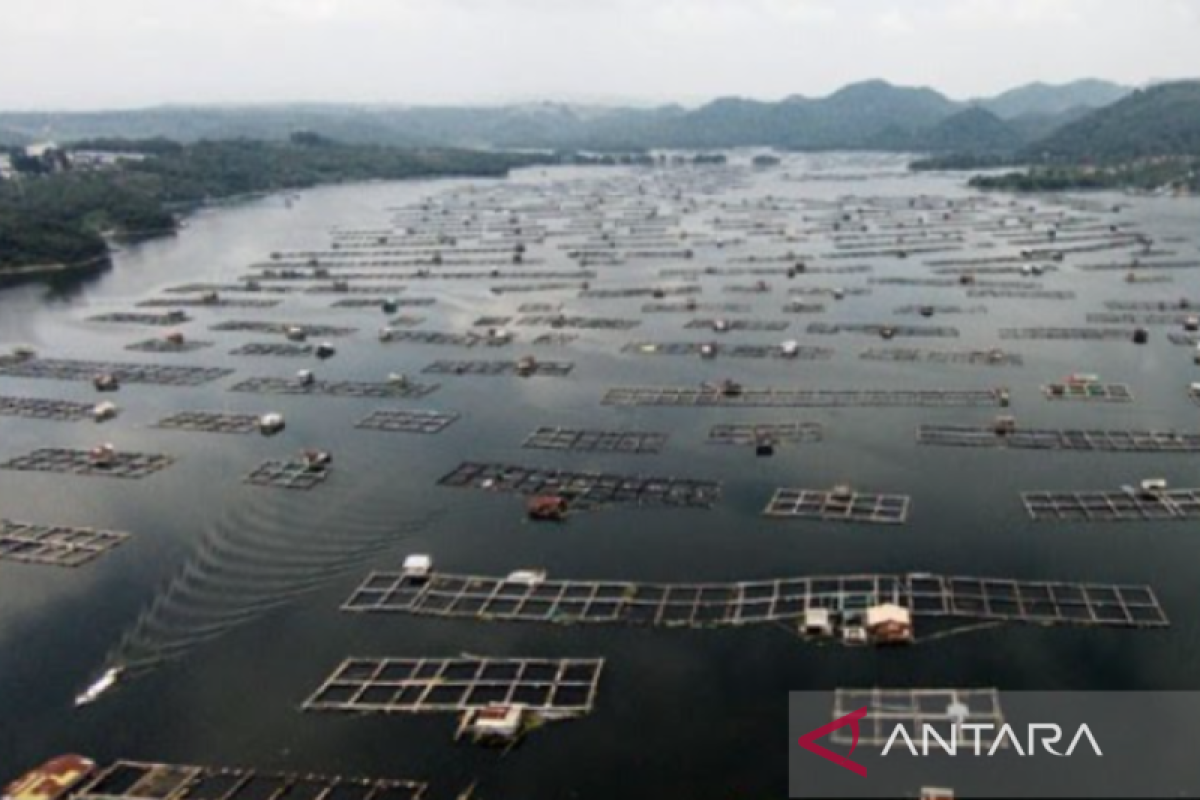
[(945, 711), (492, 322), (135, 318), (786, 600), (360, 389), (883, 331), (299, 474), (166, 346), (592, 441), (392, 420), (584, 489), (1114, 441), (714, 350), (378, 302), (132, 780), (616, 294), (207, 302), (555, 339), (582, 323), (687, 397), (444, 339), (532, 288), (38, 408), (1068, 334), (210, 422), (77, 370), (839, 505), (55, 545), (548, 688), (696, 308), (117, 464), (1127, 505), (804, 308), (720, 325), (276, 349), (776, 432), (553, 369), (1088, 391), (283, 328), (982, 358)]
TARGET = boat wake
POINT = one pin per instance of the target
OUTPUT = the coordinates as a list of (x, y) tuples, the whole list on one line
[(255, 559)]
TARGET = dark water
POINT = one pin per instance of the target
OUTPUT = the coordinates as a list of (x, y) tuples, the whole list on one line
[(226, 599)]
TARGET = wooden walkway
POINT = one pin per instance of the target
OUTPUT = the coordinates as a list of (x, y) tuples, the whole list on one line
[(133, 780), (1091, 392), (396, 420), (63, 369), (708, 605), (776, 432), (56, 545), (360, 389), (907, 355), (210, 422), (539, 369), (595, 441), (296, 474)]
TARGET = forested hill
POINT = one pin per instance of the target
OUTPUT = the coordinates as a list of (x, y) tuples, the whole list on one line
[(1160, 121), (53, 216)]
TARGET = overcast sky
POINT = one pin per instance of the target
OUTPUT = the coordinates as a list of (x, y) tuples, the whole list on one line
[(120, 53)]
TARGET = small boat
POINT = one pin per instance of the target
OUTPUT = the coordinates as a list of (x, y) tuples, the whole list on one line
[(94, 692)]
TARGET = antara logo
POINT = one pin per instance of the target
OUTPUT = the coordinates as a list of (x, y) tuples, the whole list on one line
[(1051, 736)]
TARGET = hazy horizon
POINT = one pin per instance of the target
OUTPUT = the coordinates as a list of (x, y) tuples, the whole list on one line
[(75, 56)]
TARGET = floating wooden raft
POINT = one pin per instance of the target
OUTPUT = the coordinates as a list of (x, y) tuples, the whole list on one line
[(288, 386), (1124, 266), (553, 369), (539, 308), (295, 474), (688, 397), (1068, 334), (167, 346), (56, 545), (728, 350), (832, 506), (38, 408), (1181, 304), (584, 323), (589, 441), (132, 780), (76, 370), (492, 322), (943, 710), (1127, 505), (739, 324), (283, 327), (903, 331), (1184, 339), (777, 432), (706, 605), (585, 489), (987, 358), (1126, 318), (804, 308), (914, 310), (210, 422), (1050, 439), (190, 288), (80, 462), (201, 302), (550, 688), (1097, 392), (394, 420), (134, 318), (277, 349)]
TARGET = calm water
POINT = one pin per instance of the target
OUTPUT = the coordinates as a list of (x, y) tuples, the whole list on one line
[(227, 597)]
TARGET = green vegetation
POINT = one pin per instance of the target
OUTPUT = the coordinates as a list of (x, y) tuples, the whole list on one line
[(53, 215), (1172, 175)]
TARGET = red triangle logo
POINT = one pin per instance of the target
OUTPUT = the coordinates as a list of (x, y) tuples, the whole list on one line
[(808, 741)]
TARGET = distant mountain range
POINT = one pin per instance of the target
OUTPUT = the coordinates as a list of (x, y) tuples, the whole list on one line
[(1085, 120), (869, 115)]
